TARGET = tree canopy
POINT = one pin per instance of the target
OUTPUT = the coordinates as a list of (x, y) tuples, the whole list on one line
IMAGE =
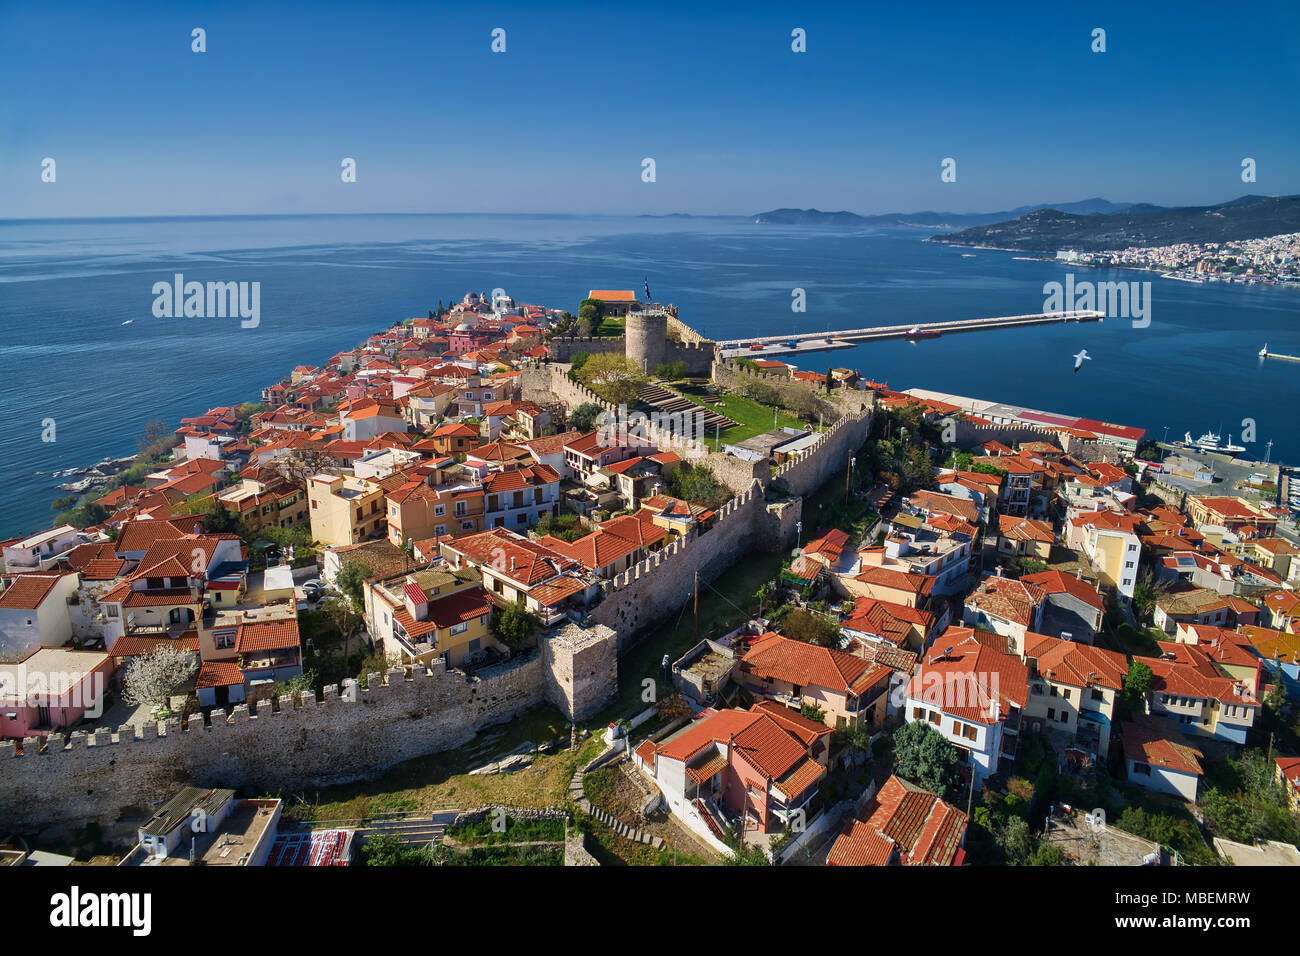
[(923, 756), (811, 628), (612, 376), (351, 580), (514, 625), (583, 418)]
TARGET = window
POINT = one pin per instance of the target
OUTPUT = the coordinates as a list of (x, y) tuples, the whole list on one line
[(1066, 693), (467, 526), (1098, 695), (1051, 713), (1142, 768), (1065, 716), (462, 508), (460, 628), (918, 713), (439, 510)]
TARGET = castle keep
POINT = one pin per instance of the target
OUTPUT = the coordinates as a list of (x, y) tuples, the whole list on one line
[(651, 338)]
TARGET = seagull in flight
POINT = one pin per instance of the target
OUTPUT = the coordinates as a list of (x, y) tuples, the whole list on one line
[(1079, 359)]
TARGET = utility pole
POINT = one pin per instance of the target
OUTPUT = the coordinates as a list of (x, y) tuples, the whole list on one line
[(697, 605)]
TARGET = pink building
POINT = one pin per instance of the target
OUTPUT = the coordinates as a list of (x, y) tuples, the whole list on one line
[(51, 690)]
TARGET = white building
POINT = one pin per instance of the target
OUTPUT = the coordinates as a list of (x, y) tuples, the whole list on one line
[(39, 551)]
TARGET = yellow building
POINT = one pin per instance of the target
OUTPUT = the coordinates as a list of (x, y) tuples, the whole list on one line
[(433, 614), (345, 510), (261, 505), (1275, 554), (1073, 689)]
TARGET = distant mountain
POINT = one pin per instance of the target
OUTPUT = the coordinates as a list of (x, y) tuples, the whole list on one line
[(1048, 230), (927, 219)]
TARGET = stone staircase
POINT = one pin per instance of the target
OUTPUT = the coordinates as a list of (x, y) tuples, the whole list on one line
[(635, 834), (409, 832), (665, 400)]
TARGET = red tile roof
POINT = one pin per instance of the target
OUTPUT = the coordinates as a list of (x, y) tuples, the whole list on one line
[(130, 645), (807, 664), (971, 681), (28, 592), (459, 607), (919, 584), (1079, 665), (1055, 582), (1158, 741), (219, 674), (904, 819), (1007, 599), (266, 635), (1024, 529)]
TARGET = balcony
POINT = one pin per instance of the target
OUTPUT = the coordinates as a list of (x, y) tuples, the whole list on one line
[(158, 629)]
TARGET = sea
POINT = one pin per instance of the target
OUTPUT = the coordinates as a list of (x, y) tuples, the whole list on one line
[(82, 350)]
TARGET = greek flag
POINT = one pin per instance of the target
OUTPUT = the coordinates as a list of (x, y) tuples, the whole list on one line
[(647, 289)]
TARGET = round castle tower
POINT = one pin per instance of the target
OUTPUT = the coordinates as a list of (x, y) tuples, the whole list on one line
[(646, 339)]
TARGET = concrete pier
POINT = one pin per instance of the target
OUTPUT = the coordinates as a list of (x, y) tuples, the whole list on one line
[(823, 341)]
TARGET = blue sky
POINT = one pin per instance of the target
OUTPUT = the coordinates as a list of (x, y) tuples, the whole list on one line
[(736, 122)]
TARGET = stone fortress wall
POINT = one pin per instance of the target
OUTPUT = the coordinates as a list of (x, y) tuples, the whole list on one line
[(99, 777)]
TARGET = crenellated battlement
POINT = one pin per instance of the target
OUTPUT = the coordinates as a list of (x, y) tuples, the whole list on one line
[(679, 546), (348, 733), (379, 691)]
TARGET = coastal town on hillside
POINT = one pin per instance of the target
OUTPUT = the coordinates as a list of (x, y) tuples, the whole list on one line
[(506, 584), (1270, 260)]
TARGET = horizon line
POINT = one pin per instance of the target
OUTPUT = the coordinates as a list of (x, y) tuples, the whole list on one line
[(146, 217)]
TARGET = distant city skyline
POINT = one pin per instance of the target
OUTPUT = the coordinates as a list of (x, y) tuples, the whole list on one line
[(736, 122)]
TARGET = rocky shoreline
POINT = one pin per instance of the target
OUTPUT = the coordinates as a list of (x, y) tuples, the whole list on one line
[(94, 477)]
